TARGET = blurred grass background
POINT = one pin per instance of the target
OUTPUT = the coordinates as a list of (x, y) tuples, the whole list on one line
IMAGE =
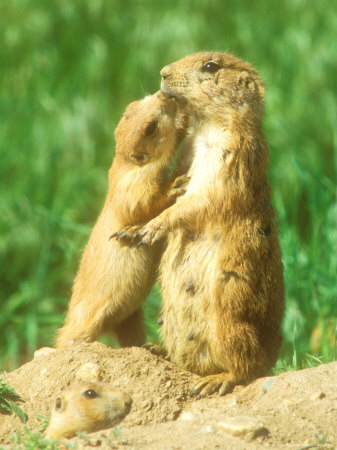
[(67, 72)]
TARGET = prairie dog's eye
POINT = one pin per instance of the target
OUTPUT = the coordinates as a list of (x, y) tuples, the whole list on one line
[(140, 157), (90, 393), (151, 128), (58, 403), (211, 67)]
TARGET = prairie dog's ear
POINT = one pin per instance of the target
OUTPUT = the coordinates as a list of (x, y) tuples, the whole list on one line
[(227, 156), (60, 404), (140, 158), (246, 81), (151, 128)]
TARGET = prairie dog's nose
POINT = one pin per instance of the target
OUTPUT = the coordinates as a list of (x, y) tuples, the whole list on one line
[(165, 71)]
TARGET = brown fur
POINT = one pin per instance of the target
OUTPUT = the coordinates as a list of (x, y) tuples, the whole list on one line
[(221, 274), (89, 407), (114, 278)]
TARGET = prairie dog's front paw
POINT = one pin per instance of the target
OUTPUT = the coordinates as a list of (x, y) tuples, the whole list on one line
[(178, 187), (151, 232), (180, 182), (130, 233)]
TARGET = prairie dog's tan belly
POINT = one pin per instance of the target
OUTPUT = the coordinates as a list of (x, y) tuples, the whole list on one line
[(190, 269), (189, 303)]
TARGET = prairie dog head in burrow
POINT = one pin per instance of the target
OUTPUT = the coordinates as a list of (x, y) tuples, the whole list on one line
[(87, 407)]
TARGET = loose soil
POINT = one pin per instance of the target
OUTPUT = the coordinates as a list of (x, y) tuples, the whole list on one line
[(291, 410)]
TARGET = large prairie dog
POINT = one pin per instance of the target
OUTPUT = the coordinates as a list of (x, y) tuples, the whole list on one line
[(114, 279), (221, 273), (88, 407)]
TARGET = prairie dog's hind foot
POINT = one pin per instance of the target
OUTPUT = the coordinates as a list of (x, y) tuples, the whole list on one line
[(66, 337), (210, 384), (77, 341), (155, 349)]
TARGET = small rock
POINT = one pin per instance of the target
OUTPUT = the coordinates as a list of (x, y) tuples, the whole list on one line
[(317, 396), (146, 405), (241, 425), (44, 351), (268, 384), (89, 372), (169, 384), (174, 413), (187, 415), (208, 429)]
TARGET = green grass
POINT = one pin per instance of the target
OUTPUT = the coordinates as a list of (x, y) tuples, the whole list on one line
[(68, 70), (35, 441), (9, 400)]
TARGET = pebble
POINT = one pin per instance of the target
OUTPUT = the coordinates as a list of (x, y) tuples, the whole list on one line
[(208, 429), (187, 416), (268, 384), (89, 372), (241, 425), (317, 396), (146, 405), (44, 351)]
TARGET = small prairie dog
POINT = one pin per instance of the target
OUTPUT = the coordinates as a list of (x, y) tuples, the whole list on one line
[(221, 273), (88, 407), (113, 278)]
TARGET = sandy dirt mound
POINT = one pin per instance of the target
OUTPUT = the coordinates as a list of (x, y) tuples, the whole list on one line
[(158, 388), (294, 409)]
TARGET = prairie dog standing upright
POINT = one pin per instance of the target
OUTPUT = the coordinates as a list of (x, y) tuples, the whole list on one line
[(221, 273), (114, 278)]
